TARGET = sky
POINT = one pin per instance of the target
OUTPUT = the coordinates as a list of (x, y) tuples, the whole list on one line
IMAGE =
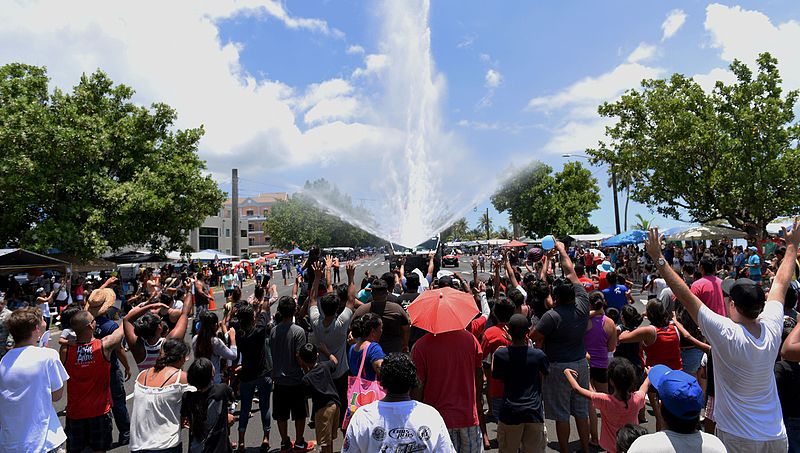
[(381, 97)]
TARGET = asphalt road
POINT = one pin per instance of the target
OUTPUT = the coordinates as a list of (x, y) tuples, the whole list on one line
[(375, 265)]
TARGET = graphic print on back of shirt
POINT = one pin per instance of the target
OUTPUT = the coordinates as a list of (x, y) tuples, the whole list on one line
[(84, 355)]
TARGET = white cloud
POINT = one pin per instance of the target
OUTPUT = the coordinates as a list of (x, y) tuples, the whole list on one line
[(466, 42), (643, 52), (373, 64), (576, 136), (485, 57), (674, 21), (594, 90), (493, 78), (726, 25), (355, 49), (339, 108), (708, 80)]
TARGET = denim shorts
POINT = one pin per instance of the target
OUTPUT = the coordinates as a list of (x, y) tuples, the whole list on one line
[(691, 358)]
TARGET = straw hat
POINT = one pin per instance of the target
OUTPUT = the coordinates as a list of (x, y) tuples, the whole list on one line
[(100, 301)]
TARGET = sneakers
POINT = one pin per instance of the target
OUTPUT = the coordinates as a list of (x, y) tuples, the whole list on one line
[(304, 446), (286, 447)]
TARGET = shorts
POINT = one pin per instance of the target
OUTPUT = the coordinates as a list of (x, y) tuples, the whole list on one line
[(176, 449), (93, 433), (691, 358), (559, 400), (326, 424), (736, 444), (286, 399), (598, 374), (467, 440), (710, 408), (228, 293), (525, 438)]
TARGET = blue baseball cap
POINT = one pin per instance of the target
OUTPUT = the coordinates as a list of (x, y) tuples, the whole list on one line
[(679, 392)]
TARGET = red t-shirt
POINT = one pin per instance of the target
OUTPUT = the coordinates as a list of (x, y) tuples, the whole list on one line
[(446, 365), (494, 338), (587, 283), (709, 290), (477, 326), (602, 283), (89, 384)]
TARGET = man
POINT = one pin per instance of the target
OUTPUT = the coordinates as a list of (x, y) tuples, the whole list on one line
[(336, 276), (88, 363), (397, 423), (747, 409), (255, 372), (5, 313), (560, 334), (285, 340), (617, 295), (396, 323), (708, 288), (202, 298), (580, 271), (681, 402), (753, 265), (449, 368), (98, 305), (496, 337), (521, 369), (738, 260), (229, 282), (31, 379)]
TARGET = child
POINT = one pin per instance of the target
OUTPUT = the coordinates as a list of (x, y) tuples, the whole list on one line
[(627, 434), (205, 411), (618, 408), (318, 380)]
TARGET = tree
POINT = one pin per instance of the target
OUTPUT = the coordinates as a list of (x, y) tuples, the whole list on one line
[(457, 231), (543, 203), (503, 232), (730, 154), (485, 225), (90, 170), (643, 224)]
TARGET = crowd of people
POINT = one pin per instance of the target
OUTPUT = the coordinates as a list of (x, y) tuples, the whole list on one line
[(556, 336)]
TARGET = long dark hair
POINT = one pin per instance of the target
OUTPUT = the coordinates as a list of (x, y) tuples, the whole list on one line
[(200, 374), (203, 346), (622, 376), (172, 351)]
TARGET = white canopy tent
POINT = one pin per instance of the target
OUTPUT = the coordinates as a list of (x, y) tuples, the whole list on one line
[(707, 232), (590, 237), (203, 255)]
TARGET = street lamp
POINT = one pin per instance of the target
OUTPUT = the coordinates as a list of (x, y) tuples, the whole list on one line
[(613, 183)]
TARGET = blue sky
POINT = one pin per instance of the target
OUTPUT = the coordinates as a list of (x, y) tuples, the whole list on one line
[(295, 90)]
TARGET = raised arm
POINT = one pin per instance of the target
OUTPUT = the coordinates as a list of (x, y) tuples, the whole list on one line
[(183, 321), (678, 286), (328, 267), (571, 375), (350, 267), (313, 291), (430, 267), (110, 281), (784, 275), (566, 264), (512, 276)]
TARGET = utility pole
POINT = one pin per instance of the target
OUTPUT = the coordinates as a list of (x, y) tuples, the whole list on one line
[(235, 233), (616, 203), (487, 224)]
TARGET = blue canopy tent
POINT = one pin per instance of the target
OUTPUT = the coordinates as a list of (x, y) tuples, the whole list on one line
[(297, 251), (625, 238)]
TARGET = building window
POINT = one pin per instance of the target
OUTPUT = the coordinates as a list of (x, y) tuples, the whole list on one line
[(251, 241), (243, 233), (227, 232), (209, 238), (251, 227), (249, 212), (227, 251)]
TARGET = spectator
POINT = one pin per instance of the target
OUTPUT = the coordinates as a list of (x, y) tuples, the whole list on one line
[(396, 323), (495, 337), (285, 340), (43, 301), (787, 380), (318, 381), (560, 334), (31, 379), (521, 369), (366, 350), (5, 338), (600, 339), (255, 374), (157, 396), (627, 435), (371, 427), (682, 400), (205, 410), (588, 283), (206, 343), (753, 264), (708, 288), (449, 368), (229, 282), (617, 295), (745, 346), (88, 363)]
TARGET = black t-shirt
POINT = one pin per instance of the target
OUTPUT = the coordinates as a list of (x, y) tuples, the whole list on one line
[(787, 378), (563, 328), (519, 367), (212, 431), (319, 383), (394, 319), (253, 351), (405, 299)]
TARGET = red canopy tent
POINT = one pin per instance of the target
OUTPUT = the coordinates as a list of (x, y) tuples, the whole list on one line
[(515, 243)]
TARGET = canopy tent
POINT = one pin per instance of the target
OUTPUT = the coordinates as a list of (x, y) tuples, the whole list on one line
[(297, 251), (81, 265), (203, 255), (270, 256), (528, 240), (673, 231), (470, 244), (707, 232), (625, 238), (597, 253), (590, 237), (775, 228), (135, 256), (515, 243), (20, 260), (493, 241)]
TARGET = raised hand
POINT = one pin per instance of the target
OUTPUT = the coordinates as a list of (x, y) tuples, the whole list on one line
[(329, 261), (317, 267), (792, 237), (653, 244), (350, 268)]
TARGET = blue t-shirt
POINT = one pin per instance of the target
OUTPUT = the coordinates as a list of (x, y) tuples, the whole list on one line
[(754, 271), (374, 352), (103, 328), (616, 296)]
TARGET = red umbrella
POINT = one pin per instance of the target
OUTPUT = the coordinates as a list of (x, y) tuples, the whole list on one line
[(515, 243), (442, 310)]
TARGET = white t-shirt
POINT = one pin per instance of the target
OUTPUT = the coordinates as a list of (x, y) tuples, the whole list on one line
[(334, 336), (746, 400), (658, 285), (45, 308), (671, 442), (28, 421), (395, 427)]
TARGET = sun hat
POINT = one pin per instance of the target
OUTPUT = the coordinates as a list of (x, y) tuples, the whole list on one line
[(605, 267), (679, 392), (100, 301)]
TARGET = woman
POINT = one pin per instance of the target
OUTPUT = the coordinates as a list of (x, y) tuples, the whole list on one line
[(157, 395), (661, 343), (206, 343), (600, 339), (144, 330), (367, 330)]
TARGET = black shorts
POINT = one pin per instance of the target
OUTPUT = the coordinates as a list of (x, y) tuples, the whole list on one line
[(286, 399), (598, 374), (94, 433)]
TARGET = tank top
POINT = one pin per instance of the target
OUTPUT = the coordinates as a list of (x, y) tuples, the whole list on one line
[(666, 350), (630, 351), (155, 419), (151, 354), (596, 340), (89, 384)]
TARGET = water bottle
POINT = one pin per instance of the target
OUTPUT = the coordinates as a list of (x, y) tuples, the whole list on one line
[(548, 242)]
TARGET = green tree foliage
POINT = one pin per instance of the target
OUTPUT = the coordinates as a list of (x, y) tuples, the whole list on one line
[(730, 155), (643, 224), (457, 231), (545, 203), (90, 170), (304, 221)]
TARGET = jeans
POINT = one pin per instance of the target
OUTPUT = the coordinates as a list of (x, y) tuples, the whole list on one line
[(119, 409), (793, 432), (246, 391)]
